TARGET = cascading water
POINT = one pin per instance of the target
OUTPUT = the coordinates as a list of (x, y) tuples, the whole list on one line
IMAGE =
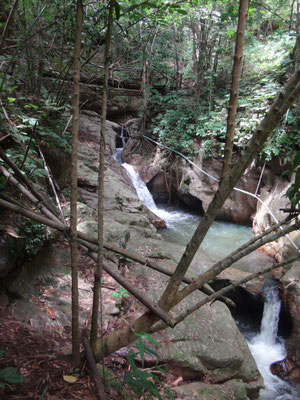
[(140, 187), (267, 347), (221, 239), (117, 155)]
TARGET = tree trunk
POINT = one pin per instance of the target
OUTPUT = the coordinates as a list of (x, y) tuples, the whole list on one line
[(73, 228), (99, 268), (235, 84), (272, 118), (7, 25), (262, 133), (176, 55)]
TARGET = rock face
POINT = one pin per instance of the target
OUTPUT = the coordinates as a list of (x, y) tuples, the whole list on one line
[(238, 208), (125, 216), (208, 346), (188, 184), (272, 194)]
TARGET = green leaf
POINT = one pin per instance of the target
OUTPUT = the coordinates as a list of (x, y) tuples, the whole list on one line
[(10, 375), (31, 106), (40, 172), (181, 11), (169, 394), (297, 160), (140, 346), (150, 351), (147, 336), (11, 99), (118, 10), (130, 359)]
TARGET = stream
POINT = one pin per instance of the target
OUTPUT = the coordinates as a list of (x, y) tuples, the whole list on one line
[(222, 238)]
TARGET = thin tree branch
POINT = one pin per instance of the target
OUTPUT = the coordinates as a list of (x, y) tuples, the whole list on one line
[(8, 21), (36, 201), (52, 184), (93, 368), (220, 266), (159, 326), (23, 179)]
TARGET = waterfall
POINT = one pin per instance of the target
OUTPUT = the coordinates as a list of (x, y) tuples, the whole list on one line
[(267, 347), (142, 191), (117, 155), (222, 238)]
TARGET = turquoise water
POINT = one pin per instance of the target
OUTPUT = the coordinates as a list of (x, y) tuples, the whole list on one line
[(221, 239)]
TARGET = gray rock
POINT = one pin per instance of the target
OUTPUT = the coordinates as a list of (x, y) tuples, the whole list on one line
[(232, 389)]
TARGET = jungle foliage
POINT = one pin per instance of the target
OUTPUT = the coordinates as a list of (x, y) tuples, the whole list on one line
[(181, 52), (178, 56)]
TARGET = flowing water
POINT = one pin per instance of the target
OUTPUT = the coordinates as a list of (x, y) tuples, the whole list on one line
[(266, 348), (222, 238)]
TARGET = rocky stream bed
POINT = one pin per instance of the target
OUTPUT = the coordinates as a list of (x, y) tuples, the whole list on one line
[(207, 350)]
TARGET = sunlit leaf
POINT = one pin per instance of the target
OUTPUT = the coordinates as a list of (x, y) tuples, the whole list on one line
[(70, 378)]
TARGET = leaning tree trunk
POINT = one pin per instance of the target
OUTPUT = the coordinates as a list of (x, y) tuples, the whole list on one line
[(235, 84), (99, 268), (73, 227), (272, 118)]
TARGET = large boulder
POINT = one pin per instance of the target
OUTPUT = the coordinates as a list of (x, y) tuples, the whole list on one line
[(273, 200), (239, 207), (207, 346), (232, 389)]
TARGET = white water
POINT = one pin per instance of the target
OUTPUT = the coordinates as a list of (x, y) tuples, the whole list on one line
[(267, 347), (140, 187), (222, 238)]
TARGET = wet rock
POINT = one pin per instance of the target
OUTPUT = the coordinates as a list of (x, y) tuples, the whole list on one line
[(156, 221), (232, 275), (290, 286), (287, 370)]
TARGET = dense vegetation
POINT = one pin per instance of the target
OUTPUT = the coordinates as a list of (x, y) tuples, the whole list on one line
[(181, 53), (177, 56)]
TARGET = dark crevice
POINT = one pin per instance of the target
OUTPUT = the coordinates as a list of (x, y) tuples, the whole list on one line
[(249, 310)]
